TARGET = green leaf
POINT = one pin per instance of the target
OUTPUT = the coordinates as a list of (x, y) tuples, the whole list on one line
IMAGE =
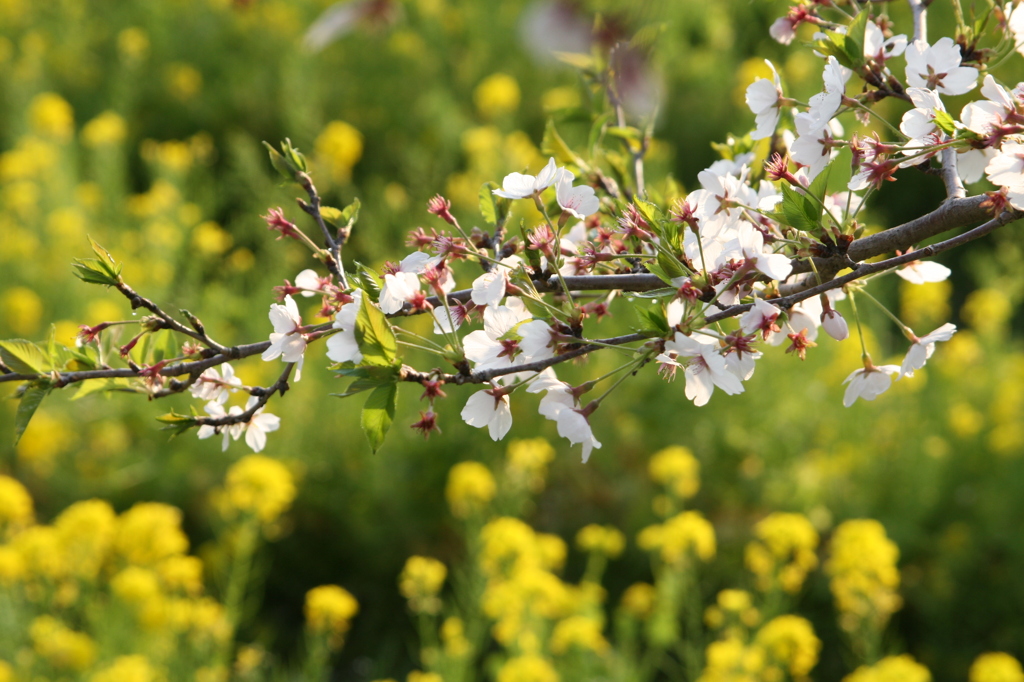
[(331, 215), (368, 281), (796, 210), (946, 122), (91, 270), (24, 357), (855, 39), (652, 319), (671, 266), (178, 423), (379, 413), (90, 386), (553, 145), (488, 207), (30, 401), (374, 336), (350, 214)]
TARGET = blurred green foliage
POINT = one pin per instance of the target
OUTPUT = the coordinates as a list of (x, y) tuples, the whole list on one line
[(140, 123)]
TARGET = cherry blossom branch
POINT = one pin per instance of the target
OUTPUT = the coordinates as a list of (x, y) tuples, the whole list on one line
[(865, 269), (487, 375), (263, 395), (920, 11), (951, 175), (168, 322), (334, 246)]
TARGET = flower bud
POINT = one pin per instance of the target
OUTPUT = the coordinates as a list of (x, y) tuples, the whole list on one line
[(834, 324)]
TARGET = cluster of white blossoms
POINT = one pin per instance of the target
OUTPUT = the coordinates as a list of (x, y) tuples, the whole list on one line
[(215, 388), (737, 240)]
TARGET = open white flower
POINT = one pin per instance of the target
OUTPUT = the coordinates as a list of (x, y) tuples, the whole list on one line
[(761, 318), (309, 282), (763, 97), (286, 340), (920, 121), (215, 386), (937, 67), (342, 346), (558, 394), (776, 265), (705, 370), (493, 347), (923, 348), (869, 383), (398, 288), (485, 409), (573, 426), (259, 426), (521, 186), (1007, 167), (877, 47), (217, 411), (922, 271), (579, 201)]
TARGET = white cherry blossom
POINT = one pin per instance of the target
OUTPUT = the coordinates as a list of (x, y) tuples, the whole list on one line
[(705, 370), (922, 271), (763, 97), (259, 426), (920, 121), (579, 201), (869, 383), (877, 47), (1007, 167), (573, 426), (230, 432), (937, 67), (484, 409), (923, 348), (982, 116), (521, 186), (286, 341), (309, 282), (215, 386), (342, 346)]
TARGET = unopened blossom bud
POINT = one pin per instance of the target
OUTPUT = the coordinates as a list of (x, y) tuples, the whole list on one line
[(418, 238), (87, 334), (441, 207), (277, 222), (835, 325), (777, 168)]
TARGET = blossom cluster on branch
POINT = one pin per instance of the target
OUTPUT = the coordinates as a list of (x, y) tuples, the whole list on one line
[(765, 252)]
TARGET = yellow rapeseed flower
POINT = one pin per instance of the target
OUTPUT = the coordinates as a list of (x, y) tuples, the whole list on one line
[(86, 531), (260, 486), (677, 469), (995, 667), (150, 532), (42, 552), (679, 536), (135, 668), (470, 488), (528, 668), (210, 239), (497, 94), (12, 566), (184, 81), (6, 672), (791, 643), (16, 510), (421, 580), (453, 635), (901, 668), (62, 647), (421, 676), (528, 460), (181, 574), (731, 660), (987, 310), (109, 128), (133, 44), (578, 631), (22, 310), (338, 148), (51, 116), (604, 540), (638, 600), (136, 586), (329, 610), (783, 553), (864, 576)]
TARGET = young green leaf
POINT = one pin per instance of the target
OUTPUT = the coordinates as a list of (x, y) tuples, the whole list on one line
[(24, 357), (374, 336), (30, 401), (379, 413)]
